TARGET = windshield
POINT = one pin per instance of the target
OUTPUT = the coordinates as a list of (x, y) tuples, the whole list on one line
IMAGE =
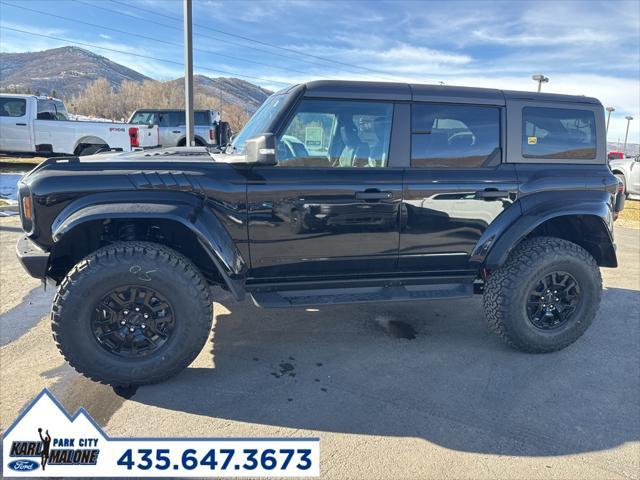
[(258, 122)]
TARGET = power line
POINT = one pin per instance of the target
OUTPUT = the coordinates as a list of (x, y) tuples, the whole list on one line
[(260, 42), (223, 72), (150, 38), (219, 39)]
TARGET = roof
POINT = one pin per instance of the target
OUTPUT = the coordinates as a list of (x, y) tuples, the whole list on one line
[(173, 110), (422, 92)]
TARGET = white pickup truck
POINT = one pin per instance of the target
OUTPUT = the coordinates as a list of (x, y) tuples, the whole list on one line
[(36, 124)]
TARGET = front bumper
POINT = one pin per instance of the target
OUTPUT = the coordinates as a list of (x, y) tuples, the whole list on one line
[(34, 260)]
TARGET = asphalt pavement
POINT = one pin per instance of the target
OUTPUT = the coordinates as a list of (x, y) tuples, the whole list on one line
[(452, 402)]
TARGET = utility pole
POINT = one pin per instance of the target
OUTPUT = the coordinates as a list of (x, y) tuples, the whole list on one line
[(188, 72), (609, 109), (540, 79), (628, 118)]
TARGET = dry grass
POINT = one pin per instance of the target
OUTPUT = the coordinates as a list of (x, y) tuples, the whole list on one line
[(9, 160), (630, 216)]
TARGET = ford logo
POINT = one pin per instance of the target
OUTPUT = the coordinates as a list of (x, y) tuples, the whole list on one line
[(23, 465)]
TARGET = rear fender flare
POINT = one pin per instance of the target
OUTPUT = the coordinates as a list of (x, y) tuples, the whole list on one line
[(510, 228), (183, 208)]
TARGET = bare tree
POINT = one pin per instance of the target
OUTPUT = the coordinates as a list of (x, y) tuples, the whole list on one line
[(101, 99)]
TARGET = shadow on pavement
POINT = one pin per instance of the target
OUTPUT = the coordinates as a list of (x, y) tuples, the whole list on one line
[(455, 384)]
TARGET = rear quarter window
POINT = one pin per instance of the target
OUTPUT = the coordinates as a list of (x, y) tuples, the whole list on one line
[(558, 133)]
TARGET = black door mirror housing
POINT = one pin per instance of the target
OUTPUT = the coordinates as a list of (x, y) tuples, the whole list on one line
[(261, 149)]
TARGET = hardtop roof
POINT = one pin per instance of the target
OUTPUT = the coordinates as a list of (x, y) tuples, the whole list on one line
[(423, 92)]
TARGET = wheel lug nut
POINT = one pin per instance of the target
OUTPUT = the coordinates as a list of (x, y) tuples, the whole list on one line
[(143, 326), (131, 329), (122, 322), (126, 312), (146, 315), (137, 309)]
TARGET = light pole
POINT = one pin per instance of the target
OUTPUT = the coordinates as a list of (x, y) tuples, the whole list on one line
[(609, 109), (629, 118), (188, 72), (540, 79)]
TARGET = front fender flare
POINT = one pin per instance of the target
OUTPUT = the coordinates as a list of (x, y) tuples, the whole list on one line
[(183, 208)]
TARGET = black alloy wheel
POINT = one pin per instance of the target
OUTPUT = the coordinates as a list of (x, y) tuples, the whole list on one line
[(133, 321), (553, 300)]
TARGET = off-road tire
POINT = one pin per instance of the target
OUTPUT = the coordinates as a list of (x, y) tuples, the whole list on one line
[(507, 289), (171, 273)]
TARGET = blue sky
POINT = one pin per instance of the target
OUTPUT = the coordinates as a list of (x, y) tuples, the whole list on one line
[(588, 47)]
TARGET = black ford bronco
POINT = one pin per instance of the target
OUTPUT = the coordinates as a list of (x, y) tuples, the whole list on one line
[(334, 192)]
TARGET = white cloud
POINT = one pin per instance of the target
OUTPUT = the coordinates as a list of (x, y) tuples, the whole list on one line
[(105, 36)]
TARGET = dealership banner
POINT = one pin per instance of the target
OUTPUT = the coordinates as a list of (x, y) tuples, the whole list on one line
[(45, 441)]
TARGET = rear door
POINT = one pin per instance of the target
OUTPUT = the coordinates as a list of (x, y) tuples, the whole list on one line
[(331, 205), (456, 185)]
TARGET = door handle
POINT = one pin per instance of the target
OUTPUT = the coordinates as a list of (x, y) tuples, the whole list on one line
[(490, 193), (373, 195), (176, 131), (21, 124)]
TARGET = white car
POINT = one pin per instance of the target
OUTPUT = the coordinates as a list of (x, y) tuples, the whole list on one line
[(41, 125), (628, 172)]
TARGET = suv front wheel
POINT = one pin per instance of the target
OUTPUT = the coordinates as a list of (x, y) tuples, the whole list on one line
[(545, 296), (132, 313)]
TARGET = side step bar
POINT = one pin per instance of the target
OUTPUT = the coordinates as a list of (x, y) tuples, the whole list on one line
[(334, 296)]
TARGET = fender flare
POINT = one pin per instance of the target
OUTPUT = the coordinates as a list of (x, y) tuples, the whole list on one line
[(180, 207), (527, 214), (89, 140)]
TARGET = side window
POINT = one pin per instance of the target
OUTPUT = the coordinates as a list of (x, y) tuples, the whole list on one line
[(558, 133), (454, 136), (13, 107), (201, 118), (171, 119), (337, 133)]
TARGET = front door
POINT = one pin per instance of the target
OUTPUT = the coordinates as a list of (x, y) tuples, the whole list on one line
[(15, 132), (456, 185), (331, 204)]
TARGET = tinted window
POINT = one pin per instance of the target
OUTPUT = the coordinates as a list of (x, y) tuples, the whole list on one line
[(202, 118), (177, 118), (558, 133), (454, 136), (171, 119), (13, 107), (335, 133)]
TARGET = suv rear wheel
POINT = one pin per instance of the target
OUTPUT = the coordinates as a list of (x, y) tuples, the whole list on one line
[(132, 313), (545, 296)]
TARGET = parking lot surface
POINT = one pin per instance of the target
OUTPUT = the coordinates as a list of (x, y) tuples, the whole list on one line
[(453, 402)]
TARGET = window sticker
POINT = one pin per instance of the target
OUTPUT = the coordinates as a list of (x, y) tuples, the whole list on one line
[(532, 140)]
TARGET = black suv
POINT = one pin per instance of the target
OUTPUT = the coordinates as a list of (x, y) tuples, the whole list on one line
[(334, 192)]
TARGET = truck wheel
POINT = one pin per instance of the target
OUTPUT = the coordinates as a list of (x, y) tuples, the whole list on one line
[(545, 296), (132, 313)]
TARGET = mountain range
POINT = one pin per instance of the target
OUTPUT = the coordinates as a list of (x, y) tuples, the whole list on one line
[(67, 71)]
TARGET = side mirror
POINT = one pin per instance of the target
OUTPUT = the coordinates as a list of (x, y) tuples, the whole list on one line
[(261, 149)]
